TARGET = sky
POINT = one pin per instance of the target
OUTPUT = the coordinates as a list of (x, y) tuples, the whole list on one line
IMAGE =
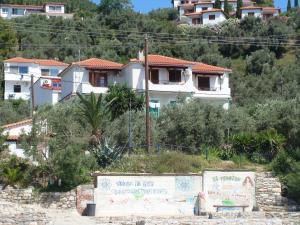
[(145, 6)]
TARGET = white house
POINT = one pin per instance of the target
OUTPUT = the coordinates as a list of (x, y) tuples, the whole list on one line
[(47, 90), (91, 75), (260, 12), (206, 17), (53, 9), (171, 77), (13, 132), (18, 71)]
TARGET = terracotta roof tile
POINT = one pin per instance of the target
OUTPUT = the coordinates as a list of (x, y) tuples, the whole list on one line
[(12, 138), (159, 60), (42, 62), (17, 124), (250, 7), (95, 63), (205, 68)]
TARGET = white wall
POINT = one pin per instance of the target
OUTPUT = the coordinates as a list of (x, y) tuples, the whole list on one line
[(47, 10), (225, 188), (24, 80), (76, 79), (147, 195), (219, 18), (45, 96), (200, 6), (257, 12), (165, 91)]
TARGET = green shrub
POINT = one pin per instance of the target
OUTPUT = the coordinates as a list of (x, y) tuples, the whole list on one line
[(260, 147), (283, 163), (292, 183), (15, 172)]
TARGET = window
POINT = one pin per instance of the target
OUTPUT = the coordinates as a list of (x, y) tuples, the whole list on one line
[(175, 75), (5, 10), (45, 72), (54, 72), (98, 79), (212, 17), (17, 11), (204, 8), (154, 76), (23, 69), (196, 21), (203, 83), (17, 88), (14, 69), (251, 14), (55, 8)]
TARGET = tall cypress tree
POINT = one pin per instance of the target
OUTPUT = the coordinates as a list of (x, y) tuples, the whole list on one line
[(289, 7), (296, 3), (226, 7), (218, 4), (238, 8)]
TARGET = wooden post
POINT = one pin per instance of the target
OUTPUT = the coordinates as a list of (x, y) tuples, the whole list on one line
[(148, 142), (32, 96)]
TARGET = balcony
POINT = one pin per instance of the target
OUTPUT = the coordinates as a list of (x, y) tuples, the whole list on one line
[(87, 88)]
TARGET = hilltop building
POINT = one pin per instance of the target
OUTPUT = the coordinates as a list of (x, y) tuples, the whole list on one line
[(18, 71), (204, 13), (53, 9)]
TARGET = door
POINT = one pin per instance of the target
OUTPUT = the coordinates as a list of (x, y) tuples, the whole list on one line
[(154, 76)]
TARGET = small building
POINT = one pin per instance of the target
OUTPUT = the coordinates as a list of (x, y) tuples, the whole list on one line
[(53, 9), (18, 72), (206, 17), (91, 75), (170, 77), (13, 132), (261, 12), (47, 90)]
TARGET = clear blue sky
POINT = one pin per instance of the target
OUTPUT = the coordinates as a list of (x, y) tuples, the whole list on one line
[(147, 5)]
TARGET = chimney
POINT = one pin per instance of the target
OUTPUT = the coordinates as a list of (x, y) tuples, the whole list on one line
[(141, 56)]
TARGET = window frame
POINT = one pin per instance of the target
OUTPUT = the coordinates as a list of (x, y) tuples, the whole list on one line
[(4, 10), (23, 67), (172, 75), (94, 76), (204, 88), (15, 88), (212, 17), (43, 72)]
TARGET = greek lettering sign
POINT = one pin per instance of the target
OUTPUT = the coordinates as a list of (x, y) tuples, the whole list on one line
[(146, 195), (228, 191)]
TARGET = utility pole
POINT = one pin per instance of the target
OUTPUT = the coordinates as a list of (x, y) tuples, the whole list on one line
[(129, 128), (148, 143), (32, 96)]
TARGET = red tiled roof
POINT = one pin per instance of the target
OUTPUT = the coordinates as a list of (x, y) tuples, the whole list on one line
[(12, 138), (204, 11), (159, 60), (42, 62), (205, 68), (95, 63), (54, 3), (17, 124), (201, 3), (250, 7), (22, 6)]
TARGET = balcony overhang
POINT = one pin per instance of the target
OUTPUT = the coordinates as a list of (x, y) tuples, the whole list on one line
[(208, 73)]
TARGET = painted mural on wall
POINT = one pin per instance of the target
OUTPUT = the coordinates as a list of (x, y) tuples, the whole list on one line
[(147, 195), (227, 191)]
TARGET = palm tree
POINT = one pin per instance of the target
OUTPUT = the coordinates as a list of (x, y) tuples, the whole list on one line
[(94, 110)]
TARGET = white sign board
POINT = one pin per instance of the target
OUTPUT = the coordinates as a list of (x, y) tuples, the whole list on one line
[(147, 195), (228, 191)]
